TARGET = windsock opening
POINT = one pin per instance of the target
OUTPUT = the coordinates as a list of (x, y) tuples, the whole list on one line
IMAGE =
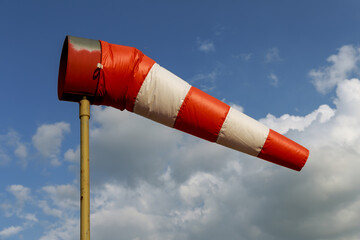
[(78, 71)]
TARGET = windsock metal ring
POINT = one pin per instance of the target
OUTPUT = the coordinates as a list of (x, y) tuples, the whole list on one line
[(124, 78)]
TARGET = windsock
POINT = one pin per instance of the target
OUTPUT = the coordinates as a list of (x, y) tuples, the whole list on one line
[(124, 78)]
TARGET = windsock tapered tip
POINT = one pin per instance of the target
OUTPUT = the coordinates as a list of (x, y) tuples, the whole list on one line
[(283, 151)]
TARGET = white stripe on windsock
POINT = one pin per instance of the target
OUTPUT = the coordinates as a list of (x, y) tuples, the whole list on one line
[(161, 96), (242, 133)]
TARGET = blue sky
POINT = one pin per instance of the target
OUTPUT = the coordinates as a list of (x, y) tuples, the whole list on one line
[(293, 65)]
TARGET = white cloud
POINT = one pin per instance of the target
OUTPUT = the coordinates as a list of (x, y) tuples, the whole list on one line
[(67, 229), (48, 138), (108, 224), (21, 151), (246, 56), (72, 156), (274, 79), (243, 56), (287, 122), (205, 81), (17, 208), (20, 192), (218, 29), (237, 107), (198, 185), (272, 55), (10, 231), (49, 210), (60, 201), (205, 46), (129, 147), (29, 217), (7, 208), (63, 196), (4, 158), (12, 140), (342, 65)]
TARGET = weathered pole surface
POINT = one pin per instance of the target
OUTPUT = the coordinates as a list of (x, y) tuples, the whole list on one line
[(84, 170)]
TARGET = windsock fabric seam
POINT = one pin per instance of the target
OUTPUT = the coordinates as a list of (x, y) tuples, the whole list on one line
[(100, 71)]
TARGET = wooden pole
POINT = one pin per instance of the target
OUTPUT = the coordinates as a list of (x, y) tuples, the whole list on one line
[(84, 170)]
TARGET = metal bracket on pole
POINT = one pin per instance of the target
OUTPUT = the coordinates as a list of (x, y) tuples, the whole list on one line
[(84, 114)]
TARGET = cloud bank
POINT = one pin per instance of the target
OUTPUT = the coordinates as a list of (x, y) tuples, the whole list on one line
[(342, 65), (154, 183)]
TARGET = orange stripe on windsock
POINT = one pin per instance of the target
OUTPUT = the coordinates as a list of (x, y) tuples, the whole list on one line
[(124, 71), (283, 151), (201, 115)]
